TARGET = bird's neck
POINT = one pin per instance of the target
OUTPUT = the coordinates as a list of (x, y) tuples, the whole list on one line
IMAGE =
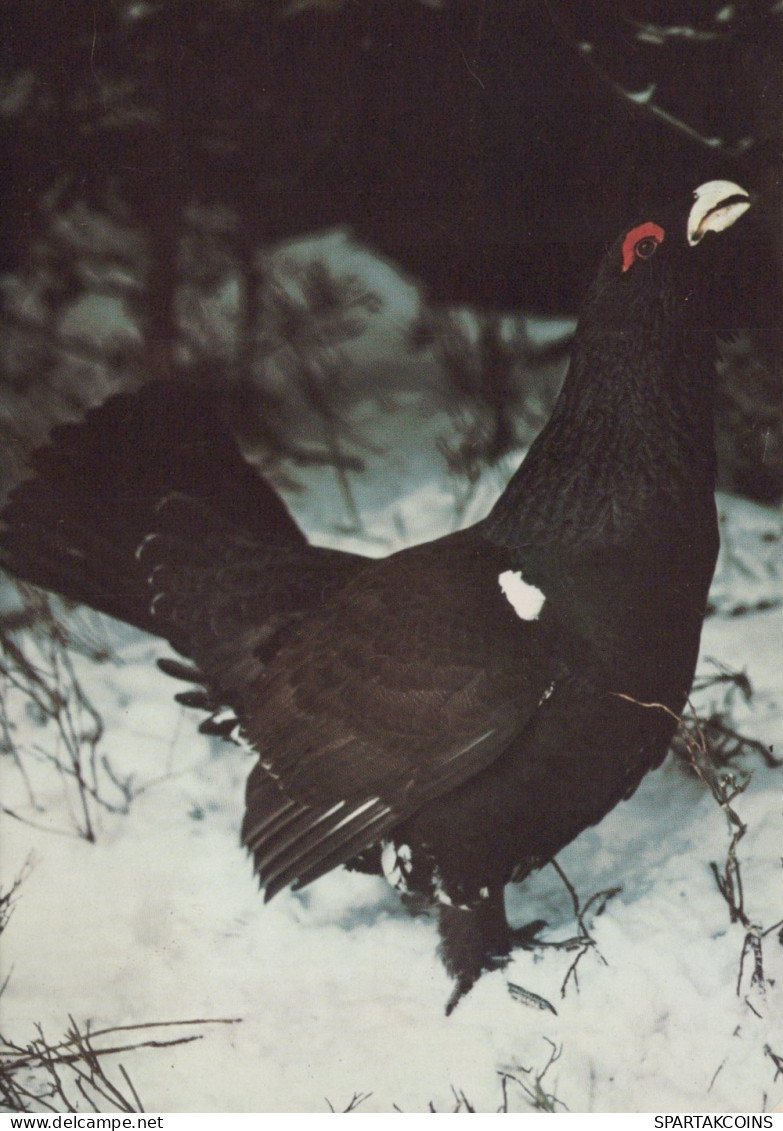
[(631, 438)]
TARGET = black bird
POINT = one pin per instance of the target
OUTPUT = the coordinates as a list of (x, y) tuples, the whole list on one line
[(460, 710)]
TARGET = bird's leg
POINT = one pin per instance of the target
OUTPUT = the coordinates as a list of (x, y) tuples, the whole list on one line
[(473, 939), (478, 938)]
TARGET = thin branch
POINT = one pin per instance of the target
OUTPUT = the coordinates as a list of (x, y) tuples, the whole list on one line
[(643, 101), (75, 1063)]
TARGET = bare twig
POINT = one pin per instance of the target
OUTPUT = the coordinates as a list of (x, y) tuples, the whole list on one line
[(45, 1076), (584, 941), (8, 898), (725, 787), (356, 1100), (776, 1059), (536, 1094), (36, 664), (644, 101)]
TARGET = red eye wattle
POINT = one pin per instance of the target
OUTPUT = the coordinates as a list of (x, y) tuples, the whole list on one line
[(641, 242)]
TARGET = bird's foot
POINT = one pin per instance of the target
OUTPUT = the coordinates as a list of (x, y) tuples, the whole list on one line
[(527, 997), (463, 985), (478, 939), (465, 982)]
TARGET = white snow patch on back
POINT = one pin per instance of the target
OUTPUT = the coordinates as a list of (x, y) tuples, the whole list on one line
[(526, 600)]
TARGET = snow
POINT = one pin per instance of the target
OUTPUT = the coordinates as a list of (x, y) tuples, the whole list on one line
[(337, 990)]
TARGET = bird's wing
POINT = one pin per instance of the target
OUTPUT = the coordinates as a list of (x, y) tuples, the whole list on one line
[(228, 600), (148, 511), (408, 683)]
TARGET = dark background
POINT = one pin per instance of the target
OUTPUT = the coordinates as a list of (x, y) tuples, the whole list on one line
[(157, 150)]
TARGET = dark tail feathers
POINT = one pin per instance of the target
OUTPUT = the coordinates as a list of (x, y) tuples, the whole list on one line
[(75, 527)]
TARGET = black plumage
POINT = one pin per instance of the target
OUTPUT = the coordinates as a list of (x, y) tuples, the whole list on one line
[(461, 709)]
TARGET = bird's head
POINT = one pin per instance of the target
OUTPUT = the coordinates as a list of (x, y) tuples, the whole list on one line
[(671, 267)]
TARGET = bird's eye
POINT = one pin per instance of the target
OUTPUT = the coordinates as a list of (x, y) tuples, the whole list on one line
[(645, 248), (641, 243)]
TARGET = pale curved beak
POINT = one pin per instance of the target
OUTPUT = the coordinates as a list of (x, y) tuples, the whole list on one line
[(716, 206)]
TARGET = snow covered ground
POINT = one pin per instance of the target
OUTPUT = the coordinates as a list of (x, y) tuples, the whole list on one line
[(337, 992)]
